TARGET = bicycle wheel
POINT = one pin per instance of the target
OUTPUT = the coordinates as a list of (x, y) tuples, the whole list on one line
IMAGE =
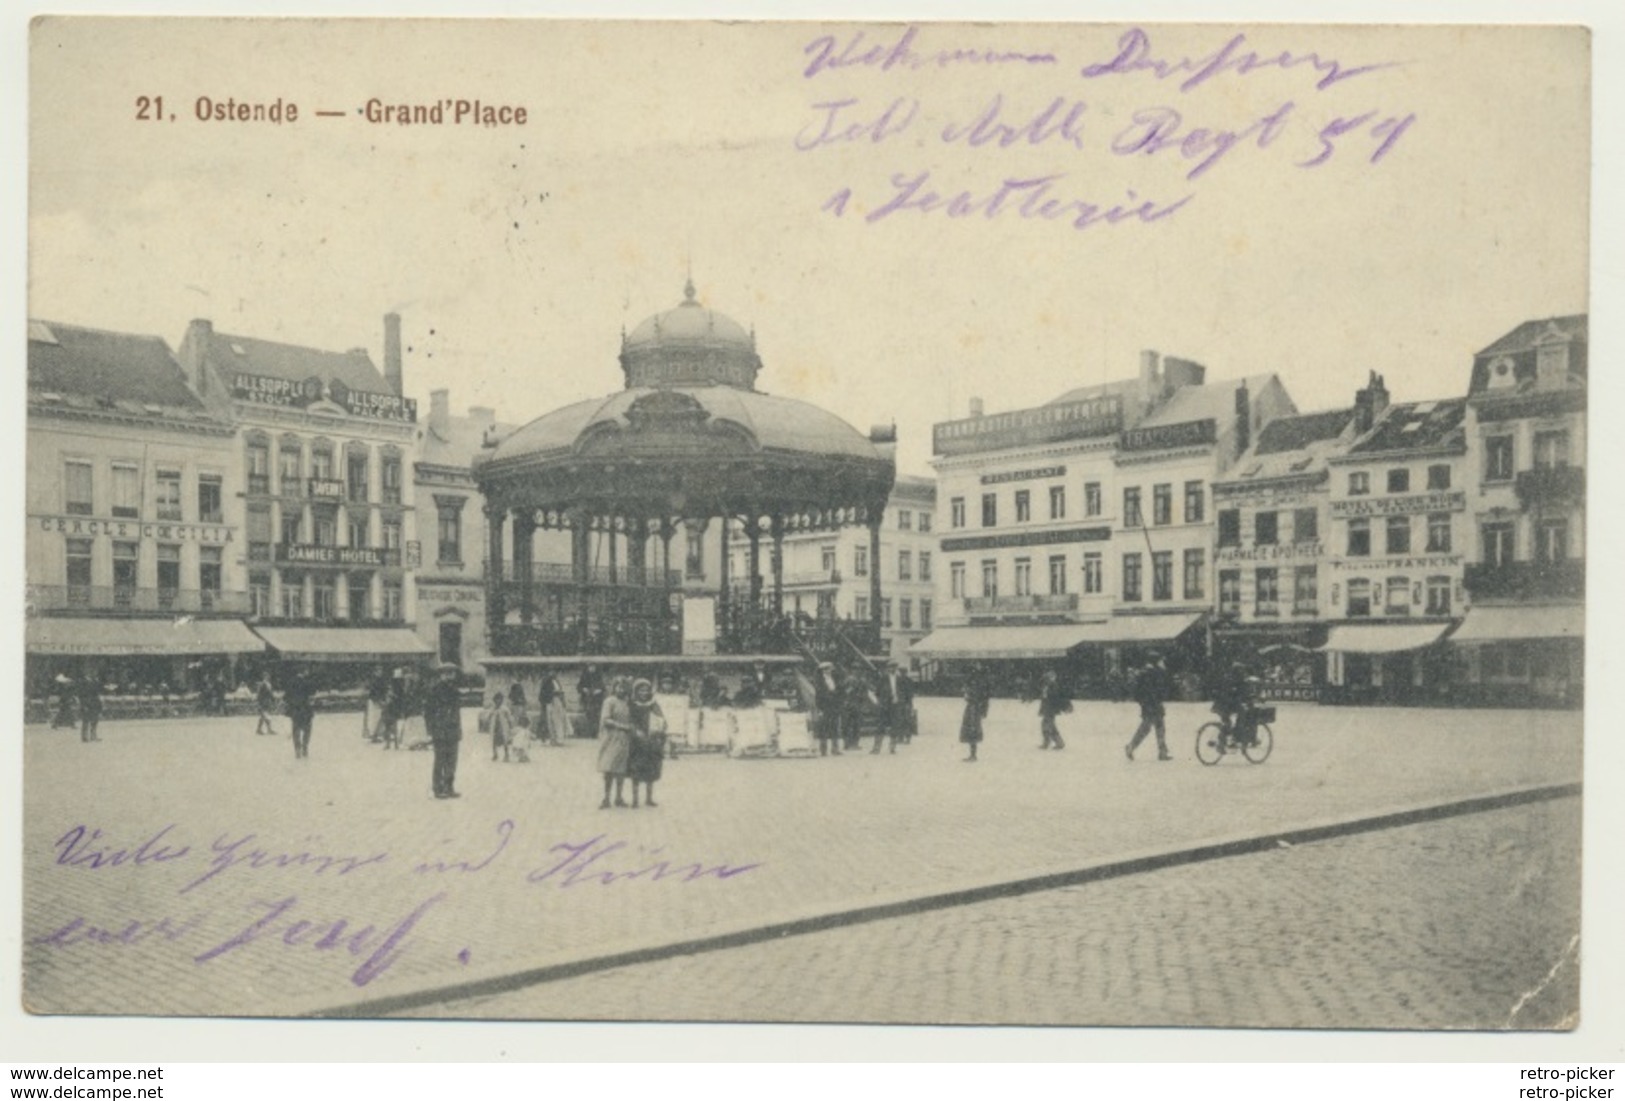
[(1260, 748), (1210, 743)]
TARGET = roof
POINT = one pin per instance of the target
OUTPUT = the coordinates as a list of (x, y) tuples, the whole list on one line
[(94, 368), (1526, 335), (1126, 389), (1416, 426), (229, 354), (1295, 433), (688, 322), (457, 442), (1209, 401)]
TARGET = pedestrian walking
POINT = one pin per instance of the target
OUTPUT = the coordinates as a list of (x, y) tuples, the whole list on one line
[(555, 720), (90, 708), (64, 702), (499, 720), (442, 716), (896, 695), (265, 701), (1052, 701), (615, 742), (299, 699), (1153, 687), (978, 696), (646, 761)]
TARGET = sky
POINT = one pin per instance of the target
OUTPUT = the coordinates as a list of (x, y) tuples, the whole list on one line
[(1452, 203)]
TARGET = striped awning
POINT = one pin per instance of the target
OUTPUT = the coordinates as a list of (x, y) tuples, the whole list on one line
[(344, 643), (1046, 640), (181, 637), (1513, 623), (1383, 638)]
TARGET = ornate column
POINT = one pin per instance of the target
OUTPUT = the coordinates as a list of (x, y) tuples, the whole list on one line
[(724, 598), (777, 531), (581, 569), (496, 609), (875, 519), (754, 526), (524, 536)]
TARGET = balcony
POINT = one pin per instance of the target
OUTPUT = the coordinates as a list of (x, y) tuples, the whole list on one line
[(1563, 580), (133, 601), (1030, 604), (808, 579), (1551, 486), (562, 573)]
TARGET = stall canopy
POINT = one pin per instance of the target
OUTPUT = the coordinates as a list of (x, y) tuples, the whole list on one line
[(1048, 640), (1142, 628), (139, 637), (1383, 638), (1513, 623), (344, 643)]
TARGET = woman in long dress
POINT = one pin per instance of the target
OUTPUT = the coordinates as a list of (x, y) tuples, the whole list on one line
[(615, 742), (555, 720), (648, 742), (976, 701)]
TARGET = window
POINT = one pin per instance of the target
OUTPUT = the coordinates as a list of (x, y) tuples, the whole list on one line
[(860, 607), (1399, 535), (925, 613), (1162, 504), (905, 613), (1552, 541), (390, 474), (449, 532), (1305, 525), (905, 565), (1267, 591), (1359, 538), (1024, 577), (259, 533), (1194, 503), (169, 573), (1305, 591), (990, 577), (1195, 573), (905, 520), (990, 510), (392, 533), (1094, 572), (956, 580), (1057, 502), (1091, 499), (1399, 480), (1266, 528), (1399, 596), (1500, 542), (288, 461), (126, 490), (359, 534), (1131, 507), (1229, 527), (1131, 578), (1551, 450), (1359, 598), (1438, 533), (360, 596), (259, 596), (209, 561), (1498, 456), (826, 557), (326, 525), (1057, 574), (394, 604), (126, 567), (925, 522), (860, 561), (259, 466), (1439, 476), (209, 499), (1162, 575), (1438, 596), (292, 525), (925, 565), (168, 496), (76, 482), (324, 598), (355, 466), (1359, 483), (79, 558), (321, 461), (885, 611), (956, 512), (1229, 592)]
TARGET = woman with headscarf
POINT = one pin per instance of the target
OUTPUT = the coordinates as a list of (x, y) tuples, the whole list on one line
[(615, 741), (648, 741)]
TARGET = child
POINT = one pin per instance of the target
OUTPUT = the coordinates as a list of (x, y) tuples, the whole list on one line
[(501, 727)]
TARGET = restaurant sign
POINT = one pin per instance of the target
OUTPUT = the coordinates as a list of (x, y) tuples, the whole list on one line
[(307, 554), (1068, 420), (1444, 501), (1025, 539), (1024, 475), (1164, 436), (267, 390)]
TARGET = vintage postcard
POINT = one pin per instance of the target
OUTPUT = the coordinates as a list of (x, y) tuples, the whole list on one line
[(806, 522)]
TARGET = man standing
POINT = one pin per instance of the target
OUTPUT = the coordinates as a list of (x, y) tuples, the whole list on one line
[(442, 714), (827, 710), (299, 700), (1051, 702), (896, 693), (90, 707), (1152, 688), (591, 689)]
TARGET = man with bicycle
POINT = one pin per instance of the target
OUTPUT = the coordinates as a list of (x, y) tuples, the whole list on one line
[(1233, 702)]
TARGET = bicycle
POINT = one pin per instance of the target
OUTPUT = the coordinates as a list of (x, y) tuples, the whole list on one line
[(1215, 739)]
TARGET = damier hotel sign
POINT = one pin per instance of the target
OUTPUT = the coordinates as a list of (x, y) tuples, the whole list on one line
[(306, 554)]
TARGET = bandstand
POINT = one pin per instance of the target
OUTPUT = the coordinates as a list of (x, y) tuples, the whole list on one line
[(591, 499)]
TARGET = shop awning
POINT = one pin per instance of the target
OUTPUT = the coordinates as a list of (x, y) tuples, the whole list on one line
[(1047, 640), (139, 637), (344, 643), (1142, 628), (1512, 623), (1383, 638)]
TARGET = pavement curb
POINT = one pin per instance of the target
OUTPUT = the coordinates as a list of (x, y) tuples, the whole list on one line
[(985, 892)]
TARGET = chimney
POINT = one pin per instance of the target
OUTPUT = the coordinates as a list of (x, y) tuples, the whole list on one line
[(440, 412), (1244, 419), (1369, 404), (1177, 373), (883, 437), (1150, 378), (975, 407), (194, 349), (392, 352)]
